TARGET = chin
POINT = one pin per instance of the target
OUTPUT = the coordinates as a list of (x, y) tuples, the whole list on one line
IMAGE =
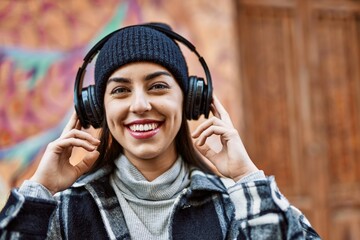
[(146, 154)]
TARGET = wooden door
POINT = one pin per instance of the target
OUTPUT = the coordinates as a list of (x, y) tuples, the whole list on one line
[(300, 73)]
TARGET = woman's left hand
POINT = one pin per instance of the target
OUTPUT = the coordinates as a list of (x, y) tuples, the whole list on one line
[(232, 160)]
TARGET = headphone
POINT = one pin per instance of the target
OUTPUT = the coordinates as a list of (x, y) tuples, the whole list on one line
[(197, 101)]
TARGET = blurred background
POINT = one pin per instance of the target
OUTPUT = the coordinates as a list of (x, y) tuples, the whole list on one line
[(288, 72)]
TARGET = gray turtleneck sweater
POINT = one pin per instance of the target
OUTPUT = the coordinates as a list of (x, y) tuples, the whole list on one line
[(147, 205)]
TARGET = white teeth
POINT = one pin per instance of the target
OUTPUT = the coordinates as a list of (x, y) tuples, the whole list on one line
[(143, 127)]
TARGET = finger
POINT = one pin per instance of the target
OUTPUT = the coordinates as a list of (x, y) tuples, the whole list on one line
[(86, 164), (78, 124), (206, 151), (206, 124), (62, 144), (75, 133), (71, 123), (214, 111), (221, 111), (217, 130)]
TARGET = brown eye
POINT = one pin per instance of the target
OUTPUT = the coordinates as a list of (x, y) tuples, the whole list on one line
[(120, 90), (159, 86)]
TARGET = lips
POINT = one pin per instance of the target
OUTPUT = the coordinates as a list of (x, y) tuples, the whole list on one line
[(144, 128)]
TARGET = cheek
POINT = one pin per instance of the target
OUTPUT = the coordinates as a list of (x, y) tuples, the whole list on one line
[(173, 106), (180, 104), (178, 98), (113, 113)]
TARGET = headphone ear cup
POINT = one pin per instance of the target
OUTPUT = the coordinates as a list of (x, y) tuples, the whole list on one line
[(91, 110), (195, 98), (207, 101), (95, 107), (189, 98)]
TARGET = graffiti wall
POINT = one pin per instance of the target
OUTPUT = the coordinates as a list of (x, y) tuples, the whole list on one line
[(42, 44)]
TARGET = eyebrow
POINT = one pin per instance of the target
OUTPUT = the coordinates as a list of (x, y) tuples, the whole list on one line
[(157, 74), (147, 78), (118, 80)]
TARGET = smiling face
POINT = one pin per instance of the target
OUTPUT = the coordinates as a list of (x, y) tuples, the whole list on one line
[(143, 107)]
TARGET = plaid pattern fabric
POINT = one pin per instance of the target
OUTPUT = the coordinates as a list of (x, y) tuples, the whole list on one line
[(204, 210)]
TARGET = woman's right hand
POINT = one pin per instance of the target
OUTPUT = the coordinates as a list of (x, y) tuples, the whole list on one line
[(55, 172)]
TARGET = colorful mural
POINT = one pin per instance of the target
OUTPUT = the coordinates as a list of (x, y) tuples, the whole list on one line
[(42, 44)]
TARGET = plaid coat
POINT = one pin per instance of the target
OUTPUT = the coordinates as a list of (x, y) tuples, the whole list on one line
[(205, 210)]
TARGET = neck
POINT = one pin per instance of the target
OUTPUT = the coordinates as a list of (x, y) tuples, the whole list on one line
[(151, 168)]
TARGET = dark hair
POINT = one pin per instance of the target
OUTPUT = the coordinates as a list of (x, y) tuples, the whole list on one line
[(110, 149)]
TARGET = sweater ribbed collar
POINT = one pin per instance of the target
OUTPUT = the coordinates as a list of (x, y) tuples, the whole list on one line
[(133, 184)]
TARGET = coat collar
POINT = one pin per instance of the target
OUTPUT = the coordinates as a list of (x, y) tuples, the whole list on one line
[(90, 177), (201, 181), (97, 183)]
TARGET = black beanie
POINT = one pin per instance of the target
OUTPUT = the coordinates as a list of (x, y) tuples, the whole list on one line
[(139, 44)]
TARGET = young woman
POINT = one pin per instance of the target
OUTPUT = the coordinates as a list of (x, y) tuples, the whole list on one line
[(145, 178)]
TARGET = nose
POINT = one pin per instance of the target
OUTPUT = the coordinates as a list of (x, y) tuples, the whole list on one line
[(139, 103)]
